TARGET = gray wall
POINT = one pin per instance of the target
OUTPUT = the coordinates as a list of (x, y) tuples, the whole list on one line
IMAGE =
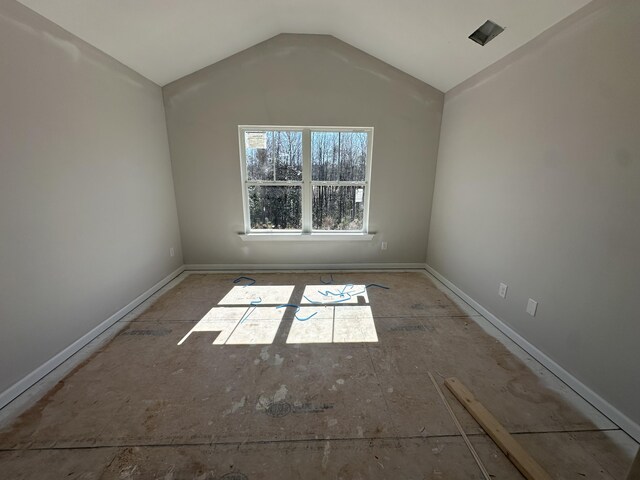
[(538, 186), (87, 208), (301, 80)]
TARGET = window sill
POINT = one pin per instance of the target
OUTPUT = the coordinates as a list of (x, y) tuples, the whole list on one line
[(307, 237)]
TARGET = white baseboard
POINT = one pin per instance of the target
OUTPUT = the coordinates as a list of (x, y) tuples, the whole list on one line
[(620, 419), (615, 415), (22, 385), (237, 267)]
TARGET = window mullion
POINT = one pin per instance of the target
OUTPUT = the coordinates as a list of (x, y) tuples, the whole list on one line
[(273, 153), (244, 176), (338, 183), (306, 179), (269, 183), (367, 178)]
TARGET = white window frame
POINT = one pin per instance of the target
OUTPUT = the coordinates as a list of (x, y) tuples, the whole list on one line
[(307, 232)]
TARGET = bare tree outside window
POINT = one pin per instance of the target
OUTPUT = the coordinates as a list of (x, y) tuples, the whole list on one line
[(338, 179), (331, 196), (274, 203)]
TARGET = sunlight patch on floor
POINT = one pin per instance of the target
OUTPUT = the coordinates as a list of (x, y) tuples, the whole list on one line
[(339, 294), (259, 328), (318, 329), (354, 324), (327, 314), (266, 294)]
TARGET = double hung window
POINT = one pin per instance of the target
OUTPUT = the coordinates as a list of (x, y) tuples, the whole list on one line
[(305, 179)]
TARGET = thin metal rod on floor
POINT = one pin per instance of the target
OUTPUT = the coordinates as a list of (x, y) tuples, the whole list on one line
[(459, 427), (502, 438), (634, 472)]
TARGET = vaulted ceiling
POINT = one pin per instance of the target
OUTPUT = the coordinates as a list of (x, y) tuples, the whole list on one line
[(167, 39)]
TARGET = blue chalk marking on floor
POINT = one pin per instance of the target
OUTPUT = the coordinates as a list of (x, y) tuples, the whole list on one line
[(339, 293), (247, 314), (297, 310), (348, 285), (346, 299), (306, 318), (312, 301), (357, 293), (239, 279), (377, 286)]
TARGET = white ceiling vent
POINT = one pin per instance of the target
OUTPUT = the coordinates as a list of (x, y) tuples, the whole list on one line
[(487, 32)]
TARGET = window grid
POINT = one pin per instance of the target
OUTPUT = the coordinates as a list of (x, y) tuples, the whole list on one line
[(307, 182)]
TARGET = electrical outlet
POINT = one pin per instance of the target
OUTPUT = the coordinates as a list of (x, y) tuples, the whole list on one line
[(383, 246), (532, 306), (502, 290), (171, 252)]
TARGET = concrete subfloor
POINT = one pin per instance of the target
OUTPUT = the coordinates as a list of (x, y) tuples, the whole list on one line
[(138, 405)]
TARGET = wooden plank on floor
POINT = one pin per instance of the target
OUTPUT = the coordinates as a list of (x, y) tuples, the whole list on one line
[(511, 448)]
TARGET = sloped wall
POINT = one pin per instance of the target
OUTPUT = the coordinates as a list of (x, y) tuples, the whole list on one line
[(87, 209), (538, 186)]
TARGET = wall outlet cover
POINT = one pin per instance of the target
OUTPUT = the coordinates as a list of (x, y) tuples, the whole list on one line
[(532, 306), (502, 290)]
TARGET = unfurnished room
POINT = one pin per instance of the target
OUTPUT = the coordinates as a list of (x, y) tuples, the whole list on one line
[(331, 239)]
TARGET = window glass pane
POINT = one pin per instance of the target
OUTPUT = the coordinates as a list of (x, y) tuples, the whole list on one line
[(337, 208), (353, 156), (287, 154), (338, 156), (278, 208), (274, 155), (259, 162), (325, 148)]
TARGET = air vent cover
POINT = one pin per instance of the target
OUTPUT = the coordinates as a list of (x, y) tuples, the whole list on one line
[(487, 32)]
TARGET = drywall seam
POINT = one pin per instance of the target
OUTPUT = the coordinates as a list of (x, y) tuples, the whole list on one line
[(32, 378), (599, 403), (303, 266)]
